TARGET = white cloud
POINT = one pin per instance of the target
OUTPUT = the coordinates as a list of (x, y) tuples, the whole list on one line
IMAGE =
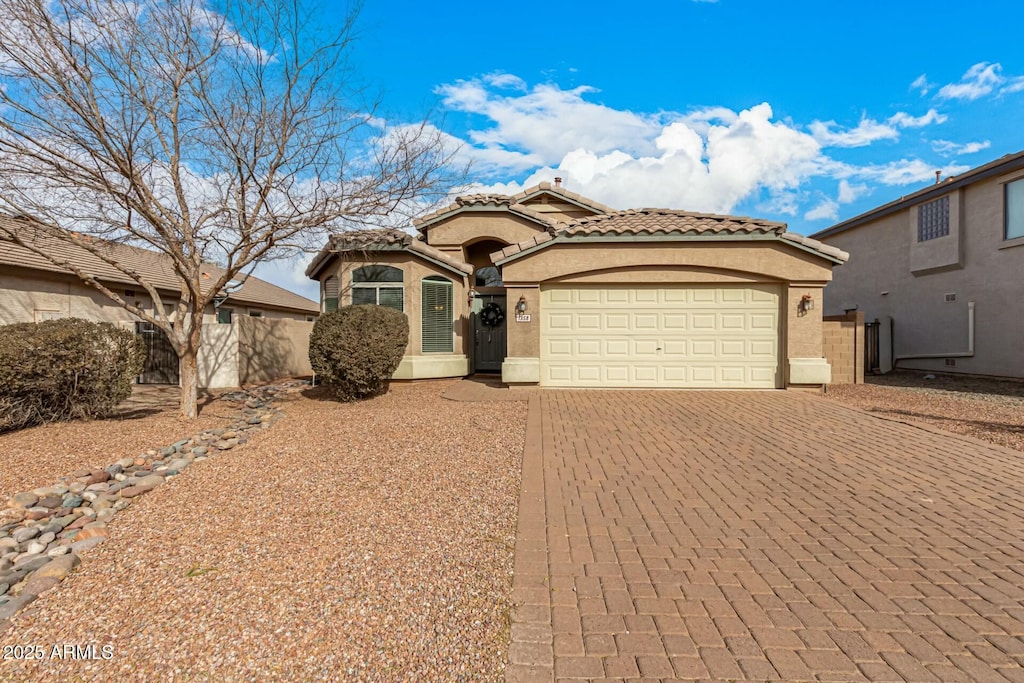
[(900, 172), (1015, 84), (947, 147), (827, 209), (978, 81), (902, 119), (709, 159), (849, 193), (551, 122), (921, 84), (866, 132)]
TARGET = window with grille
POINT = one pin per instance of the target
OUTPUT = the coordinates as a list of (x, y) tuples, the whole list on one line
[(437, 319), (933, 220), (331, 287), (380, 285), (1015, 209)]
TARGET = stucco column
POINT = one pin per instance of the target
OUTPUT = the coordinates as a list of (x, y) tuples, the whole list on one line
[(522, 362), (805, 359)]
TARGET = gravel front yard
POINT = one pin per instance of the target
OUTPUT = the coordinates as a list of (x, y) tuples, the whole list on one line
[(38, 456), (370, 541), (986, 409)]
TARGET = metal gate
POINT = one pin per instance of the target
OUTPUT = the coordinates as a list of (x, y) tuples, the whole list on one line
[(161, 366), (871, 340)]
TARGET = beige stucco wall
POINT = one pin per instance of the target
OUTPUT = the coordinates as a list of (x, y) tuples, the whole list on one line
[(556, 209), (23, 292), (879, 280), (271, 349), (766, 259), (414, 269), (466, 228), (800, 273), (218, 357)]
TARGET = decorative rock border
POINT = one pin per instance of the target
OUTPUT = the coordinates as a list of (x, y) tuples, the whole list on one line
[(42, 531)]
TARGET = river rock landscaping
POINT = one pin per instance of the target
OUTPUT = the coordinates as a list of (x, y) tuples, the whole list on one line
[(43, 531), (368, 541)]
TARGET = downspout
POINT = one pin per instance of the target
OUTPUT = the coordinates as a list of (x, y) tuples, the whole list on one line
[(969, 353)]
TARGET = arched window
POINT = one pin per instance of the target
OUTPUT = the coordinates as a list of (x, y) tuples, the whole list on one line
[(381, 285), (437, 320), (331, 288)]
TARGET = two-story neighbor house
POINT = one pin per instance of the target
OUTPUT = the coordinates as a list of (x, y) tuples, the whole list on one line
[(551, 288), (946, 266)]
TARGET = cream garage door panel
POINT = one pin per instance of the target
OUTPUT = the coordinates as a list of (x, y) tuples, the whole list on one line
[(696, 336)]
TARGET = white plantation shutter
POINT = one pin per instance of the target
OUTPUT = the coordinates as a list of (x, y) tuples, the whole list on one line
[(438, 326)]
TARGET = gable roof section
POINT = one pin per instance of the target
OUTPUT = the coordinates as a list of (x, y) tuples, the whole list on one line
[(1004, 164), (157, 268), (512, 203), (384, 239), (666, 225)]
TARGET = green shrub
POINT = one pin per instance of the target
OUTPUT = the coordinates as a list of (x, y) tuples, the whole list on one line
[(64, 370), (355, 350)]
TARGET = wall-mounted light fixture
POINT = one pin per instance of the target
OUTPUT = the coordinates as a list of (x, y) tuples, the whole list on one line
[(470, 296), (521, 305), (806, 304)]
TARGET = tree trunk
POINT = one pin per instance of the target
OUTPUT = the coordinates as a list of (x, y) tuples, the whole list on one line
[(189, 373)]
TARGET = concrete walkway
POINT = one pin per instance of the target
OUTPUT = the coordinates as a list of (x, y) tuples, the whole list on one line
[(762, 536)]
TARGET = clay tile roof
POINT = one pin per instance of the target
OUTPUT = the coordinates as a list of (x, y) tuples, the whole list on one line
[(511, 201), (665, 222), (384, 239), (155, 267), (654, 222)]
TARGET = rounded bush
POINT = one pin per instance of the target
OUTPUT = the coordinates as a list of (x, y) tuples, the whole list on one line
[(355, 350), (65, 369)]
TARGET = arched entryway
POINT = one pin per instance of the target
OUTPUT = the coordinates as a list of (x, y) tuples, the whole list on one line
[(489, 310)]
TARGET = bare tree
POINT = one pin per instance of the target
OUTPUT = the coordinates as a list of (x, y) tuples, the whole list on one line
[(207, 130)]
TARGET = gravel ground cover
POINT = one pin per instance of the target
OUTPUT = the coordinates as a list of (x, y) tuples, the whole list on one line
[(368, 541), (987, 409), (36, 456)]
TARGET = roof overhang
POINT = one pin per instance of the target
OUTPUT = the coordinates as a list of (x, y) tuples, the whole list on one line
[(1006, 164), (425, 253), (799, 242)]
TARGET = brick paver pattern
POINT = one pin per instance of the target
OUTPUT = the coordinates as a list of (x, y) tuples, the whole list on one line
[(762, 536)]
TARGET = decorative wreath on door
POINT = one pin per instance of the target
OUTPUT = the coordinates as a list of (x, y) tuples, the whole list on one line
[(491, 314)]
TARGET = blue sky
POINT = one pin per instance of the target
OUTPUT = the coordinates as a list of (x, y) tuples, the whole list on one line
[(804, 112)]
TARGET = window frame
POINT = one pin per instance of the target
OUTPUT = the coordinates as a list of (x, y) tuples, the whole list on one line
[(230, 314), (1019, 183), (931, 211), (376, 285), (429, 323)]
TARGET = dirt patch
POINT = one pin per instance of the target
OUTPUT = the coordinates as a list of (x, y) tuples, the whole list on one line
[(988, 409)]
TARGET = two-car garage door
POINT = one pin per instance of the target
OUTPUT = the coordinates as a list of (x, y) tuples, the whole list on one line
[(660, 336)]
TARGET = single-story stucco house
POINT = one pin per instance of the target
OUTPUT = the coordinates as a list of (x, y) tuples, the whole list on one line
[(33, 289), (548, 287), (940, 269)]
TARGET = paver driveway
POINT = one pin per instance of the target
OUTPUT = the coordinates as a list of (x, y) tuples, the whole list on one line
[(762, 535)]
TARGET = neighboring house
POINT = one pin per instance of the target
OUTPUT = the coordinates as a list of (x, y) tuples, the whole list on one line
[(33, 289), (551, 288), (946, 266)]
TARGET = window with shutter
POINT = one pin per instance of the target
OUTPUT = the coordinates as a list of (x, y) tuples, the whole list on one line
[(381, 285), (331, 287), (438, 325)]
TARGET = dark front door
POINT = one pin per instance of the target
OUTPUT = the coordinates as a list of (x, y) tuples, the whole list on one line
[(488, 341), (161, 366)]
